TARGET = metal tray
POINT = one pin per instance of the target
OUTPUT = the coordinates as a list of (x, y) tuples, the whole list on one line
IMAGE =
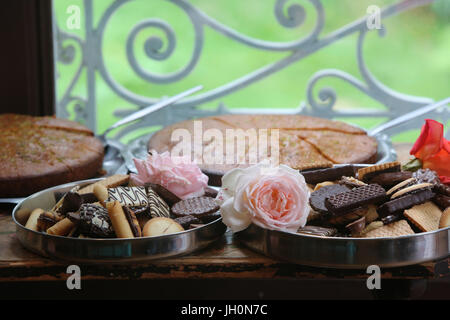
[(346, 252), (93, 251)]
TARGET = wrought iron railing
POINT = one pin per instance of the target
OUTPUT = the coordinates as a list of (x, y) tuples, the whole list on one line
[(288, 15)]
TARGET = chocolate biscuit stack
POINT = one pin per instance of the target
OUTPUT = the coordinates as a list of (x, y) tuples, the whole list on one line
[(375, 201)]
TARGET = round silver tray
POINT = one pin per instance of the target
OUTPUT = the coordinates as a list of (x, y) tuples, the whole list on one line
[(347, 253), (105, 250)]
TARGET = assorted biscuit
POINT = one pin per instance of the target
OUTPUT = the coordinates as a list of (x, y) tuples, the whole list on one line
[(375, 201), (112, 208)]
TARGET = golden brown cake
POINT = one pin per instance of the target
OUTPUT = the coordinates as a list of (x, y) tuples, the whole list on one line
[(40, 152), (302, 140)]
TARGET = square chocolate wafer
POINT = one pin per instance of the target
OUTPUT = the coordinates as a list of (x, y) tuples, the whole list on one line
[(158, 207), (425, 216), (394, 229), (344, 202)]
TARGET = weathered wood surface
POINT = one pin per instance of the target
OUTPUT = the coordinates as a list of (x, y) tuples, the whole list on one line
[(224, 259)]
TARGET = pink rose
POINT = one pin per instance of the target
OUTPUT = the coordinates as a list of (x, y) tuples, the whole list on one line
[(177, 174), (275, 198)]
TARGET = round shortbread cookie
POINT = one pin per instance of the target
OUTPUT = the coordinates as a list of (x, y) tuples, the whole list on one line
[(160, 226)]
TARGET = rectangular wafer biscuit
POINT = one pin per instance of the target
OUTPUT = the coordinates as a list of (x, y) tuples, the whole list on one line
[(109, 182), (352, 199), (397, 205), (425, 216), (395, 229), (328, 174)]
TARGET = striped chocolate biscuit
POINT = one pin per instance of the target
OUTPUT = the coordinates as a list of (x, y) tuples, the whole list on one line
[(158, 207), (128, 196)]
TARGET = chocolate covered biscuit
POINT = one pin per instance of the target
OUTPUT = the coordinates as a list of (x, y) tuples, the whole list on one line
[(389, 179), (210, 217), (357, 226), (198, 207), (404, 184), (210, 192), (442, 189), (367, 173), (442, 201), (397, 205), (318, 231), (186, 221), (351, 182), (347, 217), (317, 198), (157, 206), (132, 221), (48, 219), (169, 197), (94, 221), (391, 218), (119, 220), (70, 203), (426, 176), (128, 196), (328, 174), (361, 196), (411, 189)]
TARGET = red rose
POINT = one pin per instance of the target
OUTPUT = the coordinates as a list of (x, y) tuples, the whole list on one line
[(433, 149)]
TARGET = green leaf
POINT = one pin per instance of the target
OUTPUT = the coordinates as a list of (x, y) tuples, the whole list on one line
[(413, 165)]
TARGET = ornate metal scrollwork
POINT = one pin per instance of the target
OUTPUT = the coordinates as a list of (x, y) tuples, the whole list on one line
[(288, 15)]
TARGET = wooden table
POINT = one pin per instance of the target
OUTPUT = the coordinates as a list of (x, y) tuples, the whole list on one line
[(225, 270)]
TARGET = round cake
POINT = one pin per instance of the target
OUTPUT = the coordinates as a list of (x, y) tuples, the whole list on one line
[(302, 141), (40, 152)]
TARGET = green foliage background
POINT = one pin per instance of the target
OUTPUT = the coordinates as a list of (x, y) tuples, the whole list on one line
[(413, 57)]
